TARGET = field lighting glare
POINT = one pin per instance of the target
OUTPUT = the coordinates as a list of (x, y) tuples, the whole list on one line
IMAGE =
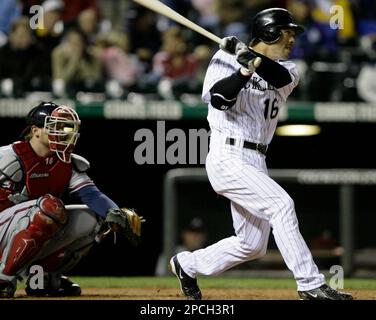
[(298, 130)]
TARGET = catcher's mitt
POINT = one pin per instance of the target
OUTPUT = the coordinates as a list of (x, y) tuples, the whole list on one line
[(127, 222)]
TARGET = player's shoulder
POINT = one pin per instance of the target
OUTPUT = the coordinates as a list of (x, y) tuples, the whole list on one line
[(223, 58), (7, 152), (10, 165), (218, 53), (6, 149), (80, 163), (288, 64)]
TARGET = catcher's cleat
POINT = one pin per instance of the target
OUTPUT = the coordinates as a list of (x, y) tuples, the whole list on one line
[(66, 288), (188, 285), (324, 293), (7, 289)]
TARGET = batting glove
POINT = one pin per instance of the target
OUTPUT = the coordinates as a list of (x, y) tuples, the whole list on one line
[(228, 44), (246, 58)]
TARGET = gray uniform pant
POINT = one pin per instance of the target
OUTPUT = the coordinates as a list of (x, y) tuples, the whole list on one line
[(76, 237)]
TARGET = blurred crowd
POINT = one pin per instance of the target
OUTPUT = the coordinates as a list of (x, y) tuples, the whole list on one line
[(72, 47)]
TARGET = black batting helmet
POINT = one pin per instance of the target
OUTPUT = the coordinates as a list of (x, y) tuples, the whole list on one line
[(37, 115), (267, 25)]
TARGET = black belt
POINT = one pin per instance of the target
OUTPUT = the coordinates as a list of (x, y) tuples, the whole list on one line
[(262, 148)]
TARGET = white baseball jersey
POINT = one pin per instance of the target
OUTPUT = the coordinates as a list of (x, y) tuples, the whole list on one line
[(258, 203), (254, 116)]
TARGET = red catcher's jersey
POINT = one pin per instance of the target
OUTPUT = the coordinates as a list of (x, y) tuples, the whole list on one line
[(42, 175)]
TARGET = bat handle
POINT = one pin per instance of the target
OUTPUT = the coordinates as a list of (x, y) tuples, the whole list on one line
[(214, 38)]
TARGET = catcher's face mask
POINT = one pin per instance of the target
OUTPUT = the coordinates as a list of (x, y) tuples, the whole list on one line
[(62, 128)]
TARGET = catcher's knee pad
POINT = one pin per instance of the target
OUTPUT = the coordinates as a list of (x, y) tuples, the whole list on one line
[(53, 208), (27, 243)]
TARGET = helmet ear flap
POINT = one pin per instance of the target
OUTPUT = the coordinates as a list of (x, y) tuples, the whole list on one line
[(271, 35)]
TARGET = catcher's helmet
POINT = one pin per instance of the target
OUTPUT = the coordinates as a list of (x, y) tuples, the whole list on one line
[(267, 25), (61, 124), (37, 115)]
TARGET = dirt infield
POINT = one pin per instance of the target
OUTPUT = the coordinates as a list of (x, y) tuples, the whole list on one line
[(153, 293)]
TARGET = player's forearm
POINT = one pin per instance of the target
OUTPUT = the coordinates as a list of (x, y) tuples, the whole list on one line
[(224, 92), (95, 200), (272, 72)]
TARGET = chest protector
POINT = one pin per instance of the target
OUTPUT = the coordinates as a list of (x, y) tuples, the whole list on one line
[(42, 175)]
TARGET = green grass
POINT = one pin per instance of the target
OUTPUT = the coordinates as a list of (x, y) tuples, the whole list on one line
[(205, 282)]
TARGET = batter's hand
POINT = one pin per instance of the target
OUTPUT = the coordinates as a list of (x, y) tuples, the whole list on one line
[(228, 44), (246, 58)]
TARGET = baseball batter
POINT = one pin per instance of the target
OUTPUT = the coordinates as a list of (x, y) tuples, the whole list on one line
[(35, 225), (245, 87)]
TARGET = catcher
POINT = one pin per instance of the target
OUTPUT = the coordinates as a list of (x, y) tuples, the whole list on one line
[(36, 228)]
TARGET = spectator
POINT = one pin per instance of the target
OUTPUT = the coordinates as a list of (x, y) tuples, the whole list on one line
[(73, 8), (145, 40), (365, 9), (119, 65), (173, 67), (322, 13), (366, 86), (49, 35), (319, 41), (326, 249), (9, 11), (50, 31), (23, 62), (202, 54), (88, 24), (347, 34), (74, 63), (27, 4), (365, 12), (255, 6), (193, 237), (204, 13), (233, 18), (182, 7), (324, 241), (71, 14), (317, 53)]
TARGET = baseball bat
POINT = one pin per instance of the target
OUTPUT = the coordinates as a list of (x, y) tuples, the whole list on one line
[(166, 11)]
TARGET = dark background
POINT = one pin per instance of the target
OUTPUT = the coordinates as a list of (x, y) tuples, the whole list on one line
[(109, 146)]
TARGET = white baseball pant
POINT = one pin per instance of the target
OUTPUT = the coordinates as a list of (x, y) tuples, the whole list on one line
[(257, 203)]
